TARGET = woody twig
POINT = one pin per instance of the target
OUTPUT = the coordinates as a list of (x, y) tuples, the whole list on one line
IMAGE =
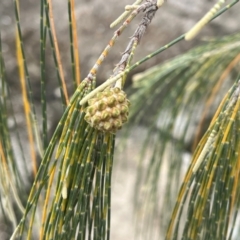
[(149, 8)]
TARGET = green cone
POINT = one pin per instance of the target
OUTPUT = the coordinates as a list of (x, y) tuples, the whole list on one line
[(108, 110)]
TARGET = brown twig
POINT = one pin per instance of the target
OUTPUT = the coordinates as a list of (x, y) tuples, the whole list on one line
[(149, 7)]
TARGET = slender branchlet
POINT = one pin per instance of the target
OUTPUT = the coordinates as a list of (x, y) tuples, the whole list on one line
[(192, 33), (126, 13), (131, 7), (206, 149), (100, 88), (213, 135)]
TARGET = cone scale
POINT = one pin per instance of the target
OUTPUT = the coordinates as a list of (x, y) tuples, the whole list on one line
[(108, 110)]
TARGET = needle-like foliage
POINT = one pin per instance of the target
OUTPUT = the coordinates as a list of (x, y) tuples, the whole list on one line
[(70, 196), (211, 184), (11, 182), (174, 101), (71, 192)]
